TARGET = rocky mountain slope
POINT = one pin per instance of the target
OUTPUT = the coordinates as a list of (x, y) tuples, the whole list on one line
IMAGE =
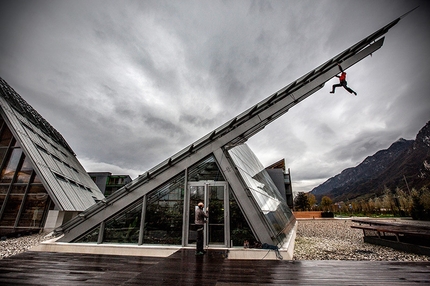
[(406, 163)]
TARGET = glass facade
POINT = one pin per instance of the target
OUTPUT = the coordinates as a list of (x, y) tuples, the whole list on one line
[(23, 199), (216, 195), (91, 236), (124, 227), (206, 170), (263, 190), (162, 222), (239, 227), (164, 213)]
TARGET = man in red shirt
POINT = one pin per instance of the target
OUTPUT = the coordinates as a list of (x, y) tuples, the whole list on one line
[(342, 79)]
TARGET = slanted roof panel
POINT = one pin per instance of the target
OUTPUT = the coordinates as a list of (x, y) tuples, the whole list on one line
[(64, 178)]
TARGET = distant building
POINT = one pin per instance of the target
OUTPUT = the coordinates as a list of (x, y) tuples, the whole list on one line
[(282, 180), (42, 184), (109, 183)]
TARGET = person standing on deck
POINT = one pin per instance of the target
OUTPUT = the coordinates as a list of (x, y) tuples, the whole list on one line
[(200, 220)]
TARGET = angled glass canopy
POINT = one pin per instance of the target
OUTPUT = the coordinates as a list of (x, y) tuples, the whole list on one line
[(270, 203)]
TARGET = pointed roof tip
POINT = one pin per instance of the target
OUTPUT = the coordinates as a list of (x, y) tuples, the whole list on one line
[(410, 11), (25, 109), (385, 29)]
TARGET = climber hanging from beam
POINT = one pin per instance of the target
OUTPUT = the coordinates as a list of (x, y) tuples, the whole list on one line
[(342, 80)]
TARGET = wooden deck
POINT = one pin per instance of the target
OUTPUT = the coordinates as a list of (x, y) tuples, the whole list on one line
[(184, 268)]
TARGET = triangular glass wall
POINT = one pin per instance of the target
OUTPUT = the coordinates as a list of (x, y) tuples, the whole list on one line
[(159, 217)]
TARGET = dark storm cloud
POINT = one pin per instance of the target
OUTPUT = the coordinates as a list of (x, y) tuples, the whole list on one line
[(130, 83)]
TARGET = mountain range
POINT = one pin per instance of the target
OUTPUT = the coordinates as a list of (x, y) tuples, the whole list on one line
[(405, 165)]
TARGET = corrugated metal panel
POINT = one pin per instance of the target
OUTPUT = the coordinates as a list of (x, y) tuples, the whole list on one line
[(71, 195), (50, 162), (48, 156), (44, 173), (83, 195)]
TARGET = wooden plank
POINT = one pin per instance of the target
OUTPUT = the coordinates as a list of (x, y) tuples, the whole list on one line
[(395, 229), (184, 268)]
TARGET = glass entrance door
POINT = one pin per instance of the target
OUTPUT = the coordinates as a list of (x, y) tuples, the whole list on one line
[(214, 196)]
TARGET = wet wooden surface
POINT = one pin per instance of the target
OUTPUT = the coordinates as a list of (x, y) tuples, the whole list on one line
[(184, 268), (410, 229)]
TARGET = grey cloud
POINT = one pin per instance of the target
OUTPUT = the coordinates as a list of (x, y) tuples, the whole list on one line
[(197, 121), (162, 126), (362, 145), (96, 70), (258, 6)]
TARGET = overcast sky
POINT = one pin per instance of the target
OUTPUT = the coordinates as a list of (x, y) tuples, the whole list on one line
[(130, 83)]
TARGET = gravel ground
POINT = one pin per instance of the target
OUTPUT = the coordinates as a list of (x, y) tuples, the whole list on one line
[(13, 246), (334, 239), (320, 239)]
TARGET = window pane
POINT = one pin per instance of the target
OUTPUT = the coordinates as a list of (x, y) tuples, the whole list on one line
[(36, 189), (2, 153), (239, 228), (11, 211), (8, 172), (124, 228), (18, 189), (205, 170), (34, 207), (91, 236), (216, 198), (2, 197), (25, 172), (216, 215), (164, 213), (6, 136), (4, 189), (110, 190)]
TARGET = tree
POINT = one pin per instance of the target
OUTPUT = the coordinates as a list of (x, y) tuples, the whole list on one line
[(404, 202), (372, 206), (388, 200), (364, 206), (421, 204), (312, 200), (425, 198), (378, 204), (326, 203), (301, 202)]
